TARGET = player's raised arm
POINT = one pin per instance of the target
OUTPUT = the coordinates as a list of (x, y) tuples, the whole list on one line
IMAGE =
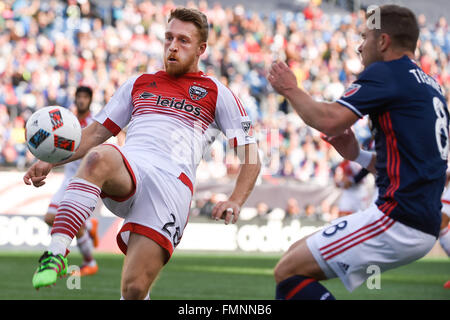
[(91, 136), (329, 118), (235, 123)]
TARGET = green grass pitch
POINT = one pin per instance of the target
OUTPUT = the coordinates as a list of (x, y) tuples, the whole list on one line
[(195, 276)]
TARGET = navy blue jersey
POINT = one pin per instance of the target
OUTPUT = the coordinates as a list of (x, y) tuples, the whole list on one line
[(410, 124)]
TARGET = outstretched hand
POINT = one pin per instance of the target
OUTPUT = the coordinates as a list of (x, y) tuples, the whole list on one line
[(37, 173), (281, 77)]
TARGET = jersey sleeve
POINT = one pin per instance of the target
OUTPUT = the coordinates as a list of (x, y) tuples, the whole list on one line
[(232, 118), (372, 92), (117, 112)]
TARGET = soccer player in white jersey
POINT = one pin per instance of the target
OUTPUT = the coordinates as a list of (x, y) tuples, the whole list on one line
[(87, 235), (172, 117)]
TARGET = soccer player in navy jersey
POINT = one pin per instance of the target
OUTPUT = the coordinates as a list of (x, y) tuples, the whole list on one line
[(410, 124)]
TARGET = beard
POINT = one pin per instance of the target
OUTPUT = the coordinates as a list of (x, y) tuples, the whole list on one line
[(180, 68)]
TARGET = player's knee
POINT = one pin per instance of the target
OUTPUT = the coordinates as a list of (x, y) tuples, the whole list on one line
[(95, 163), (134, 290), (49, 219), (280, 273)]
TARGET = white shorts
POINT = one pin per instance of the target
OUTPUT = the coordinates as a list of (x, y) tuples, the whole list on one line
[(158, 207), (354, 244)]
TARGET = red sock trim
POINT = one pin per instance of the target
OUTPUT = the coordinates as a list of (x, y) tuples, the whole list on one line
[(299, 287)]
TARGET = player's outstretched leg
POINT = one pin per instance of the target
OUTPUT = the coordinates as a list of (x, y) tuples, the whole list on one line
[(297, 275), (87, 239), (101, 168), (50, 268), (77, 205)]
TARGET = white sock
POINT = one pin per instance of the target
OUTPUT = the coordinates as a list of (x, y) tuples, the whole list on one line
[(59, 244)]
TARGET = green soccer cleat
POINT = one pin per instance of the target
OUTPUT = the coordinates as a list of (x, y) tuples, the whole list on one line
[(50, 268)]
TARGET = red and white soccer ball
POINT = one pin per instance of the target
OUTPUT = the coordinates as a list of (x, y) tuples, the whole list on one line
[(53, 134)]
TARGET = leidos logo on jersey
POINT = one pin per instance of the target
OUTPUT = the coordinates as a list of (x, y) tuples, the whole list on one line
[(178, 104), (171, 103)]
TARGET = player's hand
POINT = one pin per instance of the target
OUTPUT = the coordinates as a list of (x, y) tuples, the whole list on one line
[(227, 210), (345, 144), (37, 173), (281, 77)]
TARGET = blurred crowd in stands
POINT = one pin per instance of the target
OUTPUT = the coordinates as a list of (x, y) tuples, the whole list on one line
[(48, 48)]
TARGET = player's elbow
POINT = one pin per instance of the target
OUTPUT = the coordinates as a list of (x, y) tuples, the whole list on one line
[(335, 119)]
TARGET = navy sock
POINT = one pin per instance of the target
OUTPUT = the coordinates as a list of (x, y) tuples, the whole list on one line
[(302, 288)]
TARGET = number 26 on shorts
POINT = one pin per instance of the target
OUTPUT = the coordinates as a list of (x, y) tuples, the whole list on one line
[(331, 230)]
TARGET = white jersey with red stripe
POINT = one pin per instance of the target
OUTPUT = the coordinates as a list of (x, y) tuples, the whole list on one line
[(171, 121), (446, 202)]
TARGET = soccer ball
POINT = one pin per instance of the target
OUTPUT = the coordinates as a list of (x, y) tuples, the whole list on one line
[(53, 134)]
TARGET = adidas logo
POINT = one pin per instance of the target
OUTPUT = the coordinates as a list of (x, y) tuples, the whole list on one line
[(343, 266)]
